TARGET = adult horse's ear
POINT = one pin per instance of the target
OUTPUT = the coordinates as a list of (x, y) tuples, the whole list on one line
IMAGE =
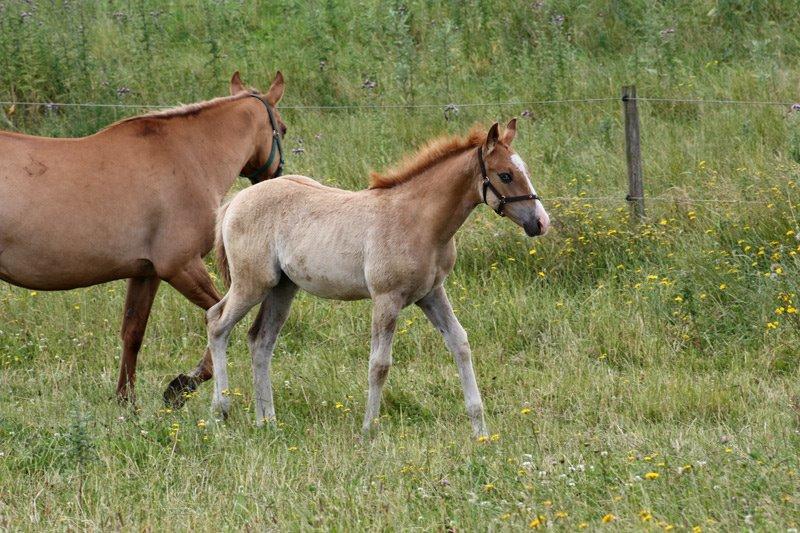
[(275, 92), (492, 137), (236, 83), (511, 131)]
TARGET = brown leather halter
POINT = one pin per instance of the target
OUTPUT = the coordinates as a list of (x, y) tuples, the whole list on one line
[(503, 200)]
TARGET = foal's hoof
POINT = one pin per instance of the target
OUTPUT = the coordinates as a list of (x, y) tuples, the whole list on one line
[(221, 408), (178, 389)]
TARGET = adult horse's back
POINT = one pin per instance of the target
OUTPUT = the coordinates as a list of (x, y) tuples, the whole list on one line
[(137, 200)]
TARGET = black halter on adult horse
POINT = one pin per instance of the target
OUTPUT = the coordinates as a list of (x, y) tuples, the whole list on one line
[(137, 200)]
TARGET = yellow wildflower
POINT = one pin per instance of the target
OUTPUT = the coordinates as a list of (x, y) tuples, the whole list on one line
[(537, 522)]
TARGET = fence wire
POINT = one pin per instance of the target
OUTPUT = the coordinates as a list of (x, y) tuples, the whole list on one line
[(445, 106), (675, 199), (454, 107)]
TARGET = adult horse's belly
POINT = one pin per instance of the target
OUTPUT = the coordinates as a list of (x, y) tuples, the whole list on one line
[(46, 268), (55, 246)]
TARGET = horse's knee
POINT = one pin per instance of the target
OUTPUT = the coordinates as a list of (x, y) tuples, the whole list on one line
[(379, 370), (132, 336), (133, 341), (458, 342)]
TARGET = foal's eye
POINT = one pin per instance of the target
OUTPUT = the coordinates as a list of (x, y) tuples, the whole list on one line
[(506, 177)]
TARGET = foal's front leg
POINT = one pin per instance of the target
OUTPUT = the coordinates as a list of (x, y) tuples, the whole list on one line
[(437, 308), (384, 318)]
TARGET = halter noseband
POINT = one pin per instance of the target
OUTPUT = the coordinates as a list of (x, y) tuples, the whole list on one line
[(503, 200), (276, 146)]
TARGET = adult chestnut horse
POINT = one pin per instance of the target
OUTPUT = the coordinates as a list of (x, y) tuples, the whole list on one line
[(137, 200)]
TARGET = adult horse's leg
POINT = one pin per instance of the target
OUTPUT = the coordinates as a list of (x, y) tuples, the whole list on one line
[(262, 337), (384, 318), (194, 282), (138, 301), (437, 308)]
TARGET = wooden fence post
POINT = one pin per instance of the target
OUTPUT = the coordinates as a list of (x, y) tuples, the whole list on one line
[(633, 153)]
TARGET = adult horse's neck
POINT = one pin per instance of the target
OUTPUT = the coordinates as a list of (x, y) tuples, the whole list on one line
[(443, 196), (214, 142)]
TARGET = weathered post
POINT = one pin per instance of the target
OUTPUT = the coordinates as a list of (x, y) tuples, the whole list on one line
[(633, 153)]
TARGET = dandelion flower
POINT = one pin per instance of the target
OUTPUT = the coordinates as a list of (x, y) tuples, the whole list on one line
[(608, 518), (537, 522), (651, 475)]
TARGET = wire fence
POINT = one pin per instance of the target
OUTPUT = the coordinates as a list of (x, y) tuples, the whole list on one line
[(795, 106), (452, 107)]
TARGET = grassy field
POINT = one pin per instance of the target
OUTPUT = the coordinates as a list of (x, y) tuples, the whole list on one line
[(635, 377)]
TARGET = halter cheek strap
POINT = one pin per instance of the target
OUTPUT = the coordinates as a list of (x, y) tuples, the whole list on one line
[(276, 147), (502, 200)]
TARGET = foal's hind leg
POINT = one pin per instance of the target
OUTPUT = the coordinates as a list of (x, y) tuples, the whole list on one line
[(262, 336), (438, 310), (220, 321), (384, 318), (194, 282), (138, 301)]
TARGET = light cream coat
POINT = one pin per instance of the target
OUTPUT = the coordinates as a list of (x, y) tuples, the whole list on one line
[(392, 243)]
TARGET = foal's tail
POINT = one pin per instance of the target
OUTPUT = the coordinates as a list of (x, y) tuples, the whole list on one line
[(219, 247)]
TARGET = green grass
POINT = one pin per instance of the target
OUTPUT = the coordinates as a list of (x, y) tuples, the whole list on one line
[(604, 351)]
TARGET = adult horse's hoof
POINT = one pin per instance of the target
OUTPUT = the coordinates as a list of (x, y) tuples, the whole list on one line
[(178, 389)]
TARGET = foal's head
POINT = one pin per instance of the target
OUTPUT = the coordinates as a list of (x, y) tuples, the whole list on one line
[(506, 185), (267, 159)]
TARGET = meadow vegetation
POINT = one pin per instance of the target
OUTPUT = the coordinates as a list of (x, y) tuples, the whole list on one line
[(635, 376)]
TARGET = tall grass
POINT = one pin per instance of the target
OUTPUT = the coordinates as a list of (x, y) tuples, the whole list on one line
[(635, 376)]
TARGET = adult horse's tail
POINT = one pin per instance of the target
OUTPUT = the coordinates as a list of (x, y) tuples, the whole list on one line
[(219, 247)]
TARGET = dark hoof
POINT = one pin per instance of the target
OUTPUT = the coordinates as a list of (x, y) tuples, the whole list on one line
[(178, 389), (126, 399)]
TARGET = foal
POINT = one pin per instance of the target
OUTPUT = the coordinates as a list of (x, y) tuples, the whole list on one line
[(392, 242)]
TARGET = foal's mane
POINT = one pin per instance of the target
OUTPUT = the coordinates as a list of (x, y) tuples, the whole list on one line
[(433, 152)]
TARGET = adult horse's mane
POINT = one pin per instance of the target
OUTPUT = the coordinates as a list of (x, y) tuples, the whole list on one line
[(184, 110), (432, 153)]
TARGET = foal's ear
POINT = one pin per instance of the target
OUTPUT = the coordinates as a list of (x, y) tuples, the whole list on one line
[(236, 83), (492, 138), (511, 131), (275, 92)]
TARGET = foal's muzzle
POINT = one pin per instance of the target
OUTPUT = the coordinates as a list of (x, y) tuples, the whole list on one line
[(533, 227)]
